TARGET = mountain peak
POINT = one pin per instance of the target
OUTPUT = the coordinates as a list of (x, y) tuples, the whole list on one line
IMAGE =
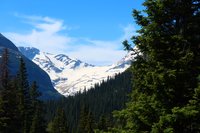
[(29, 52), (70, 76), (4, 42), (34, 72)]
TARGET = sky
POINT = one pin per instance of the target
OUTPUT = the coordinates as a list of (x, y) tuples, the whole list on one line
[(89, 30)]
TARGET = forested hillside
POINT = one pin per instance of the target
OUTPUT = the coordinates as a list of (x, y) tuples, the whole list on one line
[(93, 109), (159, 93), (21, 110)]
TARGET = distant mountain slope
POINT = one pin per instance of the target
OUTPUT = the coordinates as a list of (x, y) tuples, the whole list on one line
[(35, 73), (100, 101), (4, 42), (70, 76)]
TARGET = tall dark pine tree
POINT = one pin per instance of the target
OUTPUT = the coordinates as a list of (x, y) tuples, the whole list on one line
[(82, 120), (90, 124), (8, 98), (24, 98), (165, 73), (104, 123), (37, 110), (34, 95), (38, 123), (86, 121), (59, 123)]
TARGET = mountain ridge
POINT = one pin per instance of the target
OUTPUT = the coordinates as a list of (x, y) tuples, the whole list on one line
[(70, 76), (4, 42), (34, 72)]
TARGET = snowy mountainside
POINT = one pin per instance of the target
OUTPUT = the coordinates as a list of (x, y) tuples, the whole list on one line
[(70, 76), (34, 73)]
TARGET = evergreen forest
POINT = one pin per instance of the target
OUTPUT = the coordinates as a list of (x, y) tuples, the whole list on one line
[(159, 93)]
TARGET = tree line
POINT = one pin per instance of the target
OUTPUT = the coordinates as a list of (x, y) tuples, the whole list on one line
[(21, 110), (90, 110), (165, 76)]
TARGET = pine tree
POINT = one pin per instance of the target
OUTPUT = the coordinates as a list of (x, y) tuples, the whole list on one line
[(24, 97), (8, 109), (21, 111), (86, 121), (38, 122), (59, 123), (8, 98), (34, 95), (82, 120), (90, 124), (165, 84), (104, 123)]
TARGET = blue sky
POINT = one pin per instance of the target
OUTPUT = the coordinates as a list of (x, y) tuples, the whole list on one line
[(90, 30)]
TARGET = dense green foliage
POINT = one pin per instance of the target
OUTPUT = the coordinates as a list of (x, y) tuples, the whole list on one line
[(21, 110), (165, 96), (93, 109), (165, 93), (59, 123), (20, 107), (8, 104)]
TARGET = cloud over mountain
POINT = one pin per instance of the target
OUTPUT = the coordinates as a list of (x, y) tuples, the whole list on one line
[(52, 35)]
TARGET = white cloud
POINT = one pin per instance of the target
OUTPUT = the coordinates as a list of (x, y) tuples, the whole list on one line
[(46, 36), (98, 52), (102, 52), (129, 31)]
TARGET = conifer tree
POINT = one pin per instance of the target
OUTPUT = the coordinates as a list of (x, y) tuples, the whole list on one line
[(86, 121), (82, 120), (8, 98), (38, 123), (37, 110), (104, 123), (165, 84), (34, 95), (24, 97), (9, 109), (21, 111), (59, 123), (90, 124)]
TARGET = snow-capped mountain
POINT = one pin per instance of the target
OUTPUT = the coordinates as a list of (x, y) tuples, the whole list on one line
[(70, 76), (34, 73)]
